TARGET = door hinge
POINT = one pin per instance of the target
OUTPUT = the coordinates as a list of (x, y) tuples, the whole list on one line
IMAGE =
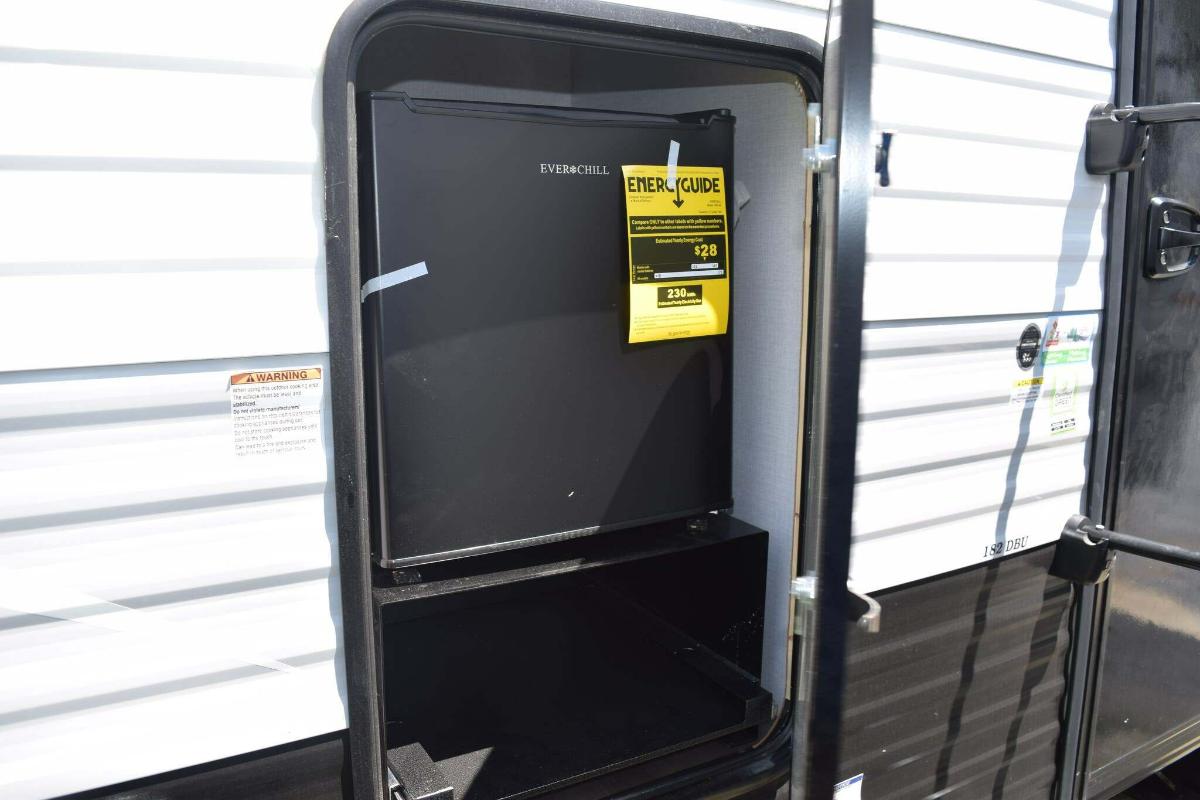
[(820, 159), (819, 156)]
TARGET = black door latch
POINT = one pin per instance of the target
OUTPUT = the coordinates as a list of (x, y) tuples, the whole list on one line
[(1173, 238)]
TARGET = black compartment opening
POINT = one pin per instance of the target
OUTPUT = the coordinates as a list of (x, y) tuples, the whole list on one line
[(518, 688), (525, 672)]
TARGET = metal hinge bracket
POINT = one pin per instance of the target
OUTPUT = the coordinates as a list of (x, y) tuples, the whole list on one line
[(821, 158)]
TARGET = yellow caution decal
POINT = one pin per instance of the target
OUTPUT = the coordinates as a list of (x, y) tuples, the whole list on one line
[(276, 376), (679, 256)]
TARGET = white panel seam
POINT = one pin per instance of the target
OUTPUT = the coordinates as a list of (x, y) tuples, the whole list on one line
[(1003, 48), (19, 376), (992, 77), (136, 61)]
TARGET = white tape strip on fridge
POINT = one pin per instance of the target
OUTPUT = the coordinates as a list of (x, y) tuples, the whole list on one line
[(672, 164), (392, 278)]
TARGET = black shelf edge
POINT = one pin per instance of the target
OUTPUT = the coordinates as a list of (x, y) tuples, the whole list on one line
[(560, 558)]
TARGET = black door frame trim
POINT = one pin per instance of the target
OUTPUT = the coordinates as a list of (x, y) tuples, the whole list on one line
[(836, 364), (1122, 268)]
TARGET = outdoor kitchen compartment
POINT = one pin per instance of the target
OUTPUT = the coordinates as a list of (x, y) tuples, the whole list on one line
[(506, 406), (578, 657), (506, 414)]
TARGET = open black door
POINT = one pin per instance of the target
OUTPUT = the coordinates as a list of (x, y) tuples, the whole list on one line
[(845, 162), (1146, 712)]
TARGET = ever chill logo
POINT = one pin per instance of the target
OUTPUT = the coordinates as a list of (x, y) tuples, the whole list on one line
[(574, 169), (638, 184)]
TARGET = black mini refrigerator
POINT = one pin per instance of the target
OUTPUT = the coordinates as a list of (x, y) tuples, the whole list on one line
[(506, 407)]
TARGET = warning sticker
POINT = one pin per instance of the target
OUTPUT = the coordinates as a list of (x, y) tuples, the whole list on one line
[(678, 252), (1026, 391), (275, 411)]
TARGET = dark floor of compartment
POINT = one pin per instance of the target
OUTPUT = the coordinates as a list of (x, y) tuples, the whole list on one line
[(550, 685)]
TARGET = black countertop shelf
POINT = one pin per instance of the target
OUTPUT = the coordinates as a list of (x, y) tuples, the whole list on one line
[(522, 672), (535, 695), (558, 558)]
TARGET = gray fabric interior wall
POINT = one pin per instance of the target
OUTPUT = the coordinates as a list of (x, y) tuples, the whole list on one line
[(769, 241), (768, 261)]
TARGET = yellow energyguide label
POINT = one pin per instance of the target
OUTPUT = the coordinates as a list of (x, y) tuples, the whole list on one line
[(679, 256)]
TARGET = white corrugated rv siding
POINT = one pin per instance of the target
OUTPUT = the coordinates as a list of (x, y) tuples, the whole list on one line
[(163, 603), (990, 224)]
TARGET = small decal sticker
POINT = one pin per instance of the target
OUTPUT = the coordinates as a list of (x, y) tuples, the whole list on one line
[(1067, 355), (1052, 339), (1028, 347), (1061, 425), (1062, 395), (849, 789), (1073, 346)]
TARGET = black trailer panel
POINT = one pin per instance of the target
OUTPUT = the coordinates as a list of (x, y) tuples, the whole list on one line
[(960, 693), (313, 769)]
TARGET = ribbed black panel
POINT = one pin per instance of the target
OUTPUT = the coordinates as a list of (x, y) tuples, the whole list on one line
[(314, 769), (960, 693)]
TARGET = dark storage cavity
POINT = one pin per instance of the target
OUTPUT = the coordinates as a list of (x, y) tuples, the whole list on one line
[(506, 414), (517, 414), (584, 657)]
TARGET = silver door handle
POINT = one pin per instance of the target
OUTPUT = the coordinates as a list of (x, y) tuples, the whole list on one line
[(868, 620), (867, 610)]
